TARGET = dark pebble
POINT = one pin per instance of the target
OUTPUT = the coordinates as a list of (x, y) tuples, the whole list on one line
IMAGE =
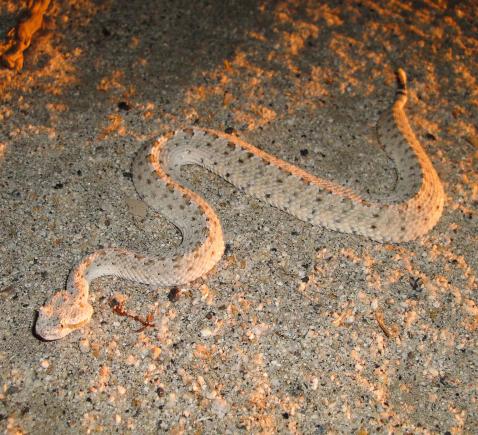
[(123, 105), (174, 294)]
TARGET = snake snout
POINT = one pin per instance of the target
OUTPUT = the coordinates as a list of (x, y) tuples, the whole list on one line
[(61, 315)]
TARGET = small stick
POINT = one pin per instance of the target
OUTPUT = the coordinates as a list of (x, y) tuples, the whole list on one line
[(381, 322), (118, 308), (20, 37)]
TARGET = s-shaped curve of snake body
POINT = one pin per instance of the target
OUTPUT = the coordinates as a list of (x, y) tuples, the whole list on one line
[(276, 182)]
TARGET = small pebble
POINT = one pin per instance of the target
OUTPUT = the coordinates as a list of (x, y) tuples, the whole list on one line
[(206, 332), (174, 294), (155, 352), (123, 105), (84, 345)]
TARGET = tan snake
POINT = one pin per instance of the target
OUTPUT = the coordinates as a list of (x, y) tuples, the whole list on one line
[(276, 182)]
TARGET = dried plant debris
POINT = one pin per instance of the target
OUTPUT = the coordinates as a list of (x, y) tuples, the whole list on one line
[(20, 37)]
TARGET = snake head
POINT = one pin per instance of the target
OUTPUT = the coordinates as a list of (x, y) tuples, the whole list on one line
[(61, 315)]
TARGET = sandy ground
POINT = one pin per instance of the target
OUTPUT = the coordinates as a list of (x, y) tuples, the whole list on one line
[(283, 336)]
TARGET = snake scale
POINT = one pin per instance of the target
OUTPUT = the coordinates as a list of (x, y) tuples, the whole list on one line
[(274, 181)]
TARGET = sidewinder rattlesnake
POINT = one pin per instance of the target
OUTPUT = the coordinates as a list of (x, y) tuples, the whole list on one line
[(276, 182)]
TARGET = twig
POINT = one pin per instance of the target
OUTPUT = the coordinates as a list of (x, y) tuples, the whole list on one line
[(381, 323), (118, 308)]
